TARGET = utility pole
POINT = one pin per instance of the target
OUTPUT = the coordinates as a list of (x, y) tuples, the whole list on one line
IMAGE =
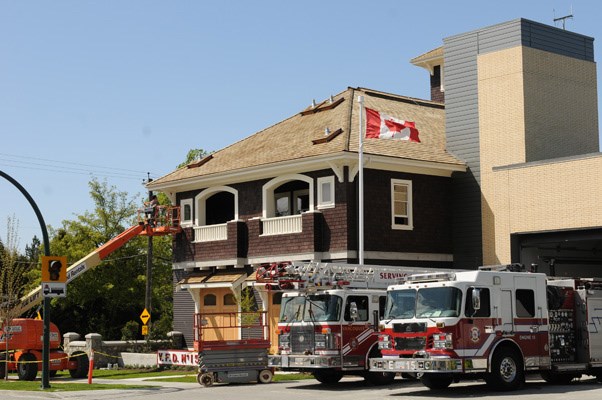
[(149, 265)]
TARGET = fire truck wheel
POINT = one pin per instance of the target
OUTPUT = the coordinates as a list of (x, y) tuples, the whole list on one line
[(27, 369), (265, 376), (436, 381), (328, 377), (559, 379), (81, 370), (507, 371), (205, 379)]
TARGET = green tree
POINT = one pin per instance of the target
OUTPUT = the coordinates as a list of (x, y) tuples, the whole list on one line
[(32, 255), (193, 155), (104, 299)]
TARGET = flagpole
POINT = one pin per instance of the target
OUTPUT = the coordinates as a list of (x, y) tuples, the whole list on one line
[(360, 100)]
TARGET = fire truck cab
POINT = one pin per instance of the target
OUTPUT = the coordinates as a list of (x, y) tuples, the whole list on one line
[(495, 323), (330, 332)]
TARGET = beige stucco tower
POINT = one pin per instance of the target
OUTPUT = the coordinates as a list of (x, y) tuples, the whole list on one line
[(521, 110)]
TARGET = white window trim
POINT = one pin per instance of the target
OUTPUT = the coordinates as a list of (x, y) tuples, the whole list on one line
[(410, 224), (187, 222), (201, 198), (268, 200), (321, 181)]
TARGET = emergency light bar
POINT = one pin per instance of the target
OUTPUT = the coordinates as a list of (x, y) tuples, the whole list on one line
[(516, 267), (430, 277)]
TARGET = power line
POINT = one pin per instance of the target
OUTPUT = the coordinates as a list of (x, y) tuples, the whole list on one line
[(63, 167), (65, 171), (72, 163)]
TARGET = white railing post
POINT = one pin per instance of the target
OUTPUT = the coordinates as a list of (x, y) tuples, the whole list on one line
[(282, 225), (209, 233)]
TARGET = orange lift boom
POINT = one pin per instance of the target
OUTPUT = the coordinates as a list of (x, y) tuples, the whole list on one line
[(168, 223)]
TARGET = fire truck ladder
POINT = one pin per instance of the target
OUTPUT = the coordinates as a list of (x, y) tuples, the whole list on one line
[(329, 275)]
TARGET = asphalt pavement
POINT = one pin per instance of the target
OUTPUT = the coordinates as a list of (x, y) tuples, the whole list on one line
[(348, 389)]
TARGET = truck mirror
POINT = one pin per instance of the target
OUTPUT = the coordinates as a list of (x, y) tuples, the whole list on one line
[(476, 299), (353, 313)]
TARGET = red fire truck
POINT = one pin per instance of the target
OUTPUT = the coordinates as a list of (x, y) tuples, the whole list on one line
[(496, 323), (329, 315)]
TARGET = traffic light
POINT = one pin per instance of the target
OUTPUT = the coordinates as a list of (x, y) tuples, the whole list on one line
[(54, 269), (55, 266)]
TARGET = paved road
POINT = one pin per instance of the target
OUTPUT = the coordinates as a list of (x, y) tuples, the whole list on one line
[(347, 389)]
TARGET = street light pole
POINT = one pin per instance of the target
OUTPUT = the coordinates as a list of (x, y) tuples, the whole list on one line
[(46, 317)]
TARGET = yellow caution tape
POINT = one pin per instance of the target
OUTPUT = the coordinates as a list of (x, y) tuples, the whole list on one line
[(106, 355), (40, 361)]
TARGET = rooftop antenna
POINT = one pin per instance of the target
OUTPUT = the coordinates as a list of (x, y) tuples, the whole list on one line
[(563, 19)]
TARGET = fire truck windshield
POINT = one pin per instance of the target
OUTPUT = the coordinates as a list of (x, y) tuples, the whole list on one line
[(438, 302), (312, 308), (423, 303), (400, 304)]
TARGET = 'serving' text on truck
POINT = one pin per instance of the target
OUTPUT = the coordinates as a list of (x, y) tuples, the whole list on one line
[(498, 323)]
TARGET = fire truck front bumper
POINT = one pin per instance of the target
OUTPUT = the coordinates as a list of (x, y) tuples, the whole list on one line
[(416, 365), (296, 362)]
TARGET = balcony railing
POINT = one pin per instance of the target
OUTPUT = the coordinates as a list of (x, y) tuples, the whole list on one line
[(282, 225), (210, 233)]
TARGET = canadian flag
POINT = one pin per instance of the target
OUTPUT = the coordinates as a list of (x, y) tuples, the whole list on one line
[(383, 126)]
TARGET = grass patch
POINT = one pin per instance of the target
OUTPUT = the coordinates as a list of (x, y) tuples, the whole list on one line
[(62, 386), (136, 373), (127, 373)]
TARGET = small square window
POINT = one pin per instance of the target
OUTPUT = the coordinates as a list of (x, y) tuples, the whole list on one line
[(326, 192), (209, 300), (186, 211)]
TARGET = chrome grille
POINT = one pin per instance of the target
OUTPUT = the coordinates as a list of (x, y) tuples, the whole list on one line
[(302, 339), (410, 343)]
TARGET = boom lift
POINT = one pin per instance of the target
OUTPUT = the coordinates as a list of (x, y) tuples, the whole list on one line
[(24, 335)]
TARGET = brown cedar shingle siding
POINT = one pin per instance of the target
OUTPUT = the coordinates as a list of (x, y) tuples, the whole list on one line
[(334, 229), (431, 214), (183, 247), (304, 242), (221, 249)]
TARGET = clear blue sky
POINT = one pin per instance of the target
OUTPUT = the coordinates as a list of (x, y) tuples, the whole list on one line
[(115, 89)]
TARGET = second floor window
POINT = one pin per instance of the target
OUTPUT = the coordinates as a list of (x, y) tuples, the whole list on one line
[(290, 203), (401, 204), (186, 211)]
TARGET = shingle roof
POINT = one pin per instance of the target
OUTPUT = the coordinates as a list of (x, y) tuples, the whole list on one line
[(293, 138), (429, 55)]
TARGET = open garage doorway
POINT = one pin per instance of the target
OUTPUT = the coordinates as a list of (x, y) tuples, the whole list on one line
[(570, 253)]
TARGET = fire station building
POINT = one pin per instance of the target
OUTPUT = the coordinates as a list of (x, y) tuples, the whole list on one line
[(507, 169)]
